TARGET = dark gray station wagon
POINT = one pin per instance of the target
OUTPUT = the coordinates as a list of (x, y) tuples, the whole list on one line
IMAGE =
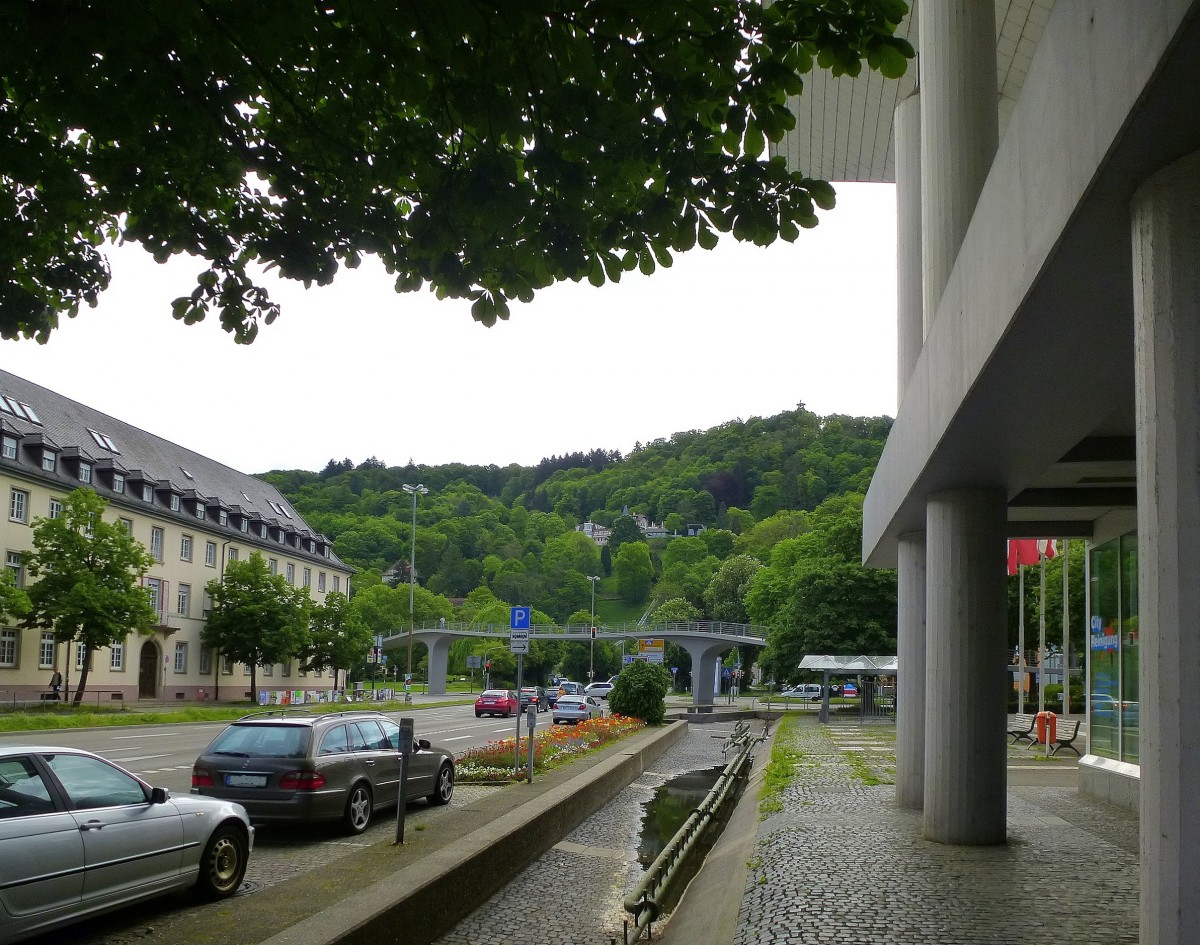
[(290, 765)]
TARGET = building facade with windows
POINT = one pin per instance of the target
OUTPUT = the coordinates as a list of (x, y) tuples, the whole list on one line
[(1046, 156), (191, 513)]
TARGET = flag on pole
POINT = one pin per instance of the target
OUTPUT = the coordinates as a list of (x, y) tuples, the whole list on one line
[(1028, 551)]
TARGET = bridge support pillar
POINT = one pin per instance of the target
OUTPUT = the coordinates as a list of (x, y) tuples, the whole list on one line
[(705, 664), (439, 655)]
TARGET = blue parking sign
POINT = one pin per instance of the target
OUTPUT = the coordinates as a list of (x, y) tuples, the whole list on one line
[(520, 618)]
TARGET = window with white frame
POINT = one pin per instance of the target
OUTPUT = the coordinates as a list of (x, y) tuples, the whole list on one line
[(291, 574), (49, 460), (173, 502), (8, 647), (56, 508), (116, 656), (181, 657), (183, 600), (245, 669), (337, 584), (205, 604), (308, 577), (200, 510), (273, 565), (118, 482), (154, 586), (205, 661), (320, 582), (210, 554), (85, 472), (18, 506), (226, 664), (8, 446), (80, 657), (262, 531), (244, 524), (46, 651), (127, 524), (156, 543), (223, 517), (147, 492), (16, 567), (233, 554), (285, 668), (268, 669), (185, 548)]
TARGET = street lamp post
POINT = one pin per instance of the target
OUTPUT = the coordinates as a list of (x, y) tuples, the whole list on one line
[(592, 631), (414, 491)]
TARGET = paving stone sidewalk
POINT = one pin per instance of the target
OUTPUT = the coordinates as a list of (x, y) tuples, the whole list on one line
[(839, 863)]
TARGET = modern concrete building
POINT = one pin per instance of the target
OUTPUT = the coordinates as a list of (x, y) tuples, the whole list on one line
[(1046, 157), (192, 514)]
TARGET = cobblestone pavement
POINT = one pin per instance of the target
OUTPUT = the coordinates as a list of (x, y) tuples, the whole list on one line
[(574, 893), (839, 863)]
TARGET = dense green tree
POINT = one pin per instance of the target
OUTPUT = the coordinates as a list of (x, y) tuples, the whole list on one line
[(764, 536), (624, 529), (725, 595), (338, 638), (675, 610), (687, 551), (88, 589), (634, 572), (257, 617), (14, 602), (719, 542)]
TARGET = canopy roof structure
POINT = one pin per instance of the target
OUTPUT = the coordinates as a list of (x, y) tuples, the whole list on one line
[(864, 665)]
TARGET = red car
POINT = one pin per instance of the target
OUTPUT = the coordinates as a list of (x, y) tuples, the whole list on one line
[(497, 702)]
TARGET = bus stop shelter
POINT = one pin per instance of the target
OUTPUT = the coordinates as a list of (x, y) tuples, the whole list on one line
[(874, 666)]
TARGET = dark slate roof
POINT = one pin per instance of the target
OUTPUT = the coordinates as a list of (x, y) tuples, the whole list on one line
[(66, 424)]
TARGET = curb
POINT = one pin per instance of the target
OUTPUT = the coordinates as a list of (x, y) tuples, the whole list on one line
[(431, 896)]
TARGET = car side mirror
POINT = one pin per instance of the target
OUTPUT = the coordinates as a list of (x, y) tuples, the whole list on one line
[(159, 795), (422, 744)]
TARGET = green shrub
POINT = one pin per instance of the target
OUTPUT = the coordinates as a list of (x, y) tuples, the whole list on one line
[(640, 691)]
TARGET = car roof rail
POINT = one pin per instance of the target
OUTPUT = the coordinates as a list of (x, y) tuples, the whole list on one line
[(285, 710)]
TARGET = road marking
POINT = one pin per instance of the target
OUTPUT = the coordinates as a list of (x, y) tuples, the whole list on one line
[(144, 758), (118, 738), (456, 738)]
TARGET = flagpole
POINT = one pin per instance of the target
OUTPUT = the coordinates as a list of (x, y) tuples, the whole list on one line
[(1066, 649), (1042, 635), (1021, 674)]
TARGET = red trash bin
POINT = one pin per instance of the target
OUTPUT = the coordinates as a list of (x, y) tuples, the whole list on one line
[(1047, 727)]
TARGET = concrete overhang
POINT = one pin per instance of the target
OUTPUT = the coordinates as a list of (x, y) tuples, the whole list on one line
[(1025, 381)]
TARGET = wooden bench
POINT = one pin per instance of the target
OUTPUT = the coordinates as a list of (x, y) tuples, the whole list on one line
[(1061, 737), (1023, 729)]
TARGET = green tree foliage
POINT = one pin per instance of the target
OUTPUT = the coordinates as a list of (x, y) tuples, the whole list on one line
[(338, 638), (726, 593), (257, 617), (89, 572), (675, 610), (623, 529), (14, 602), (487, 152), (634, 572), (640, 691)]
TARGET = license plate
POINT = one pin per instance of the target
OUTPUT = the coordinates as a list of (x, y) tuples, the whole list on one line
[(246, 780)]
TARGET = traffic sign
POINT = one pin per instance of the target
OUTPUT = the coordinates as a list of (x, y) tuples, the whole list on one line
[(518, 640), (520, 618)]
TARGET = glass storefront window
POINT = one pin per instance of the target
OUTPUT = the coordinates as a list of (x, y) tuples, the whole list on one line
[(1113, 638)]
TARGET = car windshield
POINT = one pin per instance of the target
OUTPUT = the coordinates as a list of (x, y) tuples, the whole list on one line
[(494, 694), (262, 741)]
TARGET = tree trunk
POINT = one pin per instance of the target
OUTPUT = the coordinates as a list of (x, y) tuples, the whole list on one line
[(83, 674), (253, 683)]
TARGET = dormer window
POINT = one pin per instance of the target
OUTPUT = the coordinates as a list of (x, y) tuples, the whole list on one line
[(223, 517), (244, 524), (49, 460), (147, 492), (200, 510), (118, 482), (173, 502), (262, 531), (85, 472), (8, 446)]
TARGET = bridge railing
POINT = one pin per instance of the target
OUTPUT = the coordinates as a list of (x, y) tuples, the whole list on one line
[(603, 631)]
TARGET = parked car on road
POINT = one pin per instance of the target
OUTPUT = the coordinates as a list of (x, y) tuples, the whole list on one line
[(577, 709), (534, 695), (598, 689), (808, 692), (80, 835), (568, 688), (298, 766), (497, 702)]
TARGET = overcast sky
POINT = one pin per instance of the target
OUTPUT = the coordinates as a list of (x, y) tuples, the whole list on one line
[(355, 370)]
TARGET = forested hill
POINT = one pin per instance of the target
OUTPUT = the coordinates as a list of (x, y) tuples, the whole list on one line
[(731, 476)]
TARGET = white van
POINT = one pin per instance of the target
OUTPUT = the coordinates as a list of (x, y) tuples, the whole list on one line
[(809, 692)]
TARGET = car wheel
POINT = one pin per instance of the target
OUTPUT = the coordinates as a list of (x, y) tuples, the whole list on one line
[(223, 864), (358, 809), (443, 788), (478, 715)]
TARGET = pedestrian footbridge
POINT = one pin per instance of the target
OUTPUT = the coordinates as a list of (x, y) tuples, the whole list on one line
[(705, 641)]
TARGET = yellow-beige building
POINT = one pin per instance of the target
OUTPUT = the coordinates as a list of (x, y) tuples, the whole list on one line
[(192, 513)]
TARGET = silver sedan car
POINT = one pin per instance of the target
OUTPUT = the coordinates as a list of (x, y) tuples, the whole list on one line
[(577, 709), (80, 835)]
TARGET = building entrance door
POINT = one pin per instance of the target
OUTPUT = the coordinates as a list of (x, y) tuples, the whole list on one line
[(148, 671)]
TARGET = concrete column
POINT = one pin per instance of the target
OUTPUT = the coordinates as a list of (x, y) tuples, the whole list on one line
[(910, 674), (439, 655), (960, 128), (910, 328), (1166, 287), (705, 657), (966, 708)]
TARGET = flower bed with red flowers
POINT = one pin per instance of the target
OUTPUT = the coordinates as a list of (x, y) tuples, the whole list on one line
[(556, 746)]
